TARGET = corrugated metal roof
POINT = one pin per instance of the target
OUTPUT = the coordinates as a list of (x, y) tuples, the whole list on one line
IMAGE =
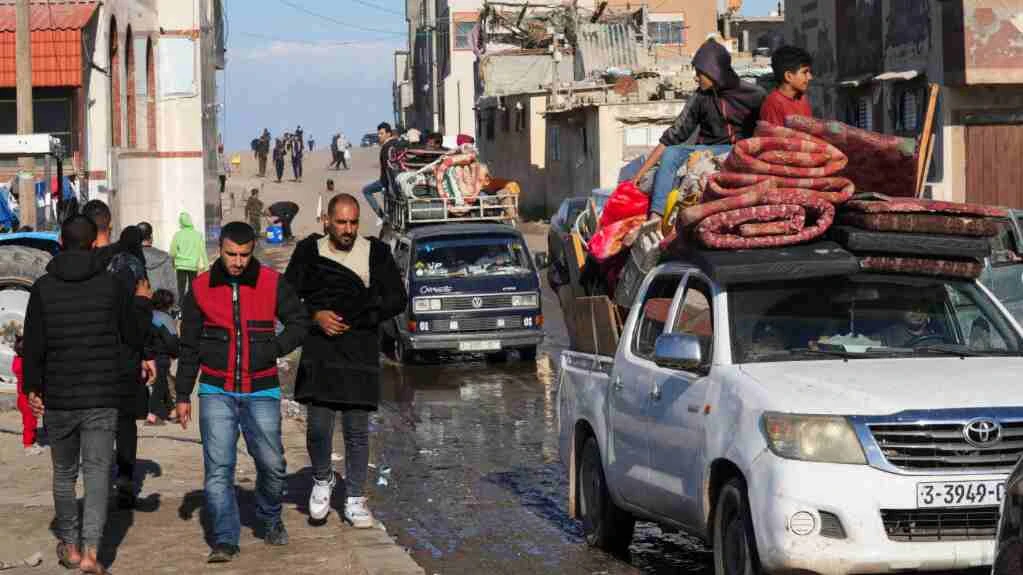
[(68, 15), (602, 46)]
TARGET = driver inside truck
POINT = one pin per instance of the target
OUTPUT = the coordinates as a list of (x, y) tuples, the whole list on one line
[(912, 326)]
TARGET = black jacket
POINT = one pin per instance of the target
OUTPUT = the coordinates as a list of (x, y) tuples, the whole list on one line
[(344, 370), (720, 116), (212, 323), (79, 325)]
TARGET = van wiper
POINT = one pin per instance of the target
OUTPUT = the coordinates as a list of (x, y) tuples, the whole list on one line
[(962, 351)]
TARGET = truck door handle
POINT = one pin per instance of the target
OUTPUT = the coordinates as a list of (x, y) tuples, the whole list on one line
[(693, 408), (618, 383), (655, 393)]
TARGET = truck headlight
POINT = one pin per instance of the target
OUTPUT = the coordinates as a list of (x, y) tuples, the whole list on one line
[(427, 304), (525, 300), (821, 438)]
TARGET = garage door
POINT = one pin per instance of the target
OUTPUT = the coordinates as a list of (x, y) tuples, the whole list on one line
[(994, 165)]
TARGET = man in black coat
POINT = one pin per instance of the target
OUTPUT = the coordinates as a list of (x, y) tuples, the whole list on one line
[(350, 284), (79, 320)]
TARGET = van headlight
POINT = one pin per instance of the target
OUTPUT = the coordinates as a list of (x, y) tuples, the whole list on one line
[(427, 304), (821, 438), (525, 300)]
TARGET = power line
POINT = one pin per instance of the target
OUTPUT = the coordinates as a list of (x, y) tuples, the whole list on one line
[(379, 7), (333, 20)]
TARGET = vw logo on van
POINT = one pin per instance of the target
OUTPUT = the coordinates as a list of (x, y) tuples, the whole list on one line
[(477, 302), (982, 432)]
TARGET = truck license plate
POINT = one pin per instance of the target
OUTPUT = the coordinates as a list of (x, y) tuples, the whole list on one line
[(487, 345), (959, 493)]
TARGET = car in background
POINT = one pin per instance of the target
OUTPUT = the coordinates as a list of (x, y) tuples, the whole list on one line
[(559, 240), (370, 140), (1003, 270)]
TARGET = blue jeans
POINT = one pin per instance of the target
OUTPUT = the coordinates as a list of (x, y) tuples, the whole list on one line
[(674, 157), (369, 191), (259, 419)]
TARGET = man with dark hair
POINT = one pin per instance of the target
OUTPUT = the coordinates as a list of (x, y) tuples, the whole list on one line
[(350, 285), (79, 319), (387, 141), (793, 70), (228, 340), (159, 265), (99, 213)]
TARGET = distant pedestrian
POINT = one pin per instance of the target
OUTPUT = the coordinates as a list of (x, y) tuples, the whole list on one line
[(279, 153), (229, 315), (335, 159), (345, 148), (296, 158), (285, 213), (223, 168), (159, 265), (29, 422), (164, 345), (80, 313), (387, 141), (312, 144), (254, 211), (263, 151), (351, 285), (188, 248)]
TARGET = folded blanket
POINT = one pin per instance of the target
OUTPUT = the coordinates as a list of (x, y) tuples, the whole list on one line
[(609, 240), (725, 184), (913, 205), (921, 223), (760, 219), (876, 162), (789, 157), (968, 269)]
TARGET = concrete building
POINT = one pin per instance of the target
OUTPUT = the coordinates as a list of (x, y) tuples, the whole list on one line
[(873, 61), (404, 111), (130, 87)]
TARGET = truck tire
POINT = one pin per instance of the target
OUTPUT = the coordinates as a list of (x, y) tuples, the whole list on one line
[(735, 546), (605, 525), (20, 267)]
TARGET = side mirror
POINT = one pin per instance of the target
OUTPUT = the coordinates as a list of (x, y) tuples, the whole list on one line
[(541, 260), (678, 351)]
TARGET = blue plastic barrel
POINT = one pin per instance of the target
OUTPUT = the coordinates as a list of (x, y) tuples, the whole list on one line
[(275, 234)]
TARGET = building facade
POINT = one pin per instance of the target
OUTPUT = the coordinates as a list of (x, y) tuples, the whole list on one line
[(874, 60), (130, 89)]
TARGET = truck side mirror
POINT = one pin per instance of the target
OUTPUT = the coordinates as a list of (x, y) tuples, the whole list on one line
[(678, 351), (540, 258)]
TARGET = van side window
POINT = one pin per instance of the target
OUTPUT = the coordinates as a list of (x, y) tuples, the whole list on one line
[(654, 314), (696, 316), (401, 255)]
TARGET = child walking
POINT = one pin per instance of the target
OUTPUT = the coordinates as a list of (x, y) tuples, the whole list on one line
[(29, 423), (164, 348)]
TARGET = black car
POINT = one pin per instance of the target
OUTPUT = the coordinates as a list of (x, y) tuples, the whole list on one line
[(370, 140), (559, 241)]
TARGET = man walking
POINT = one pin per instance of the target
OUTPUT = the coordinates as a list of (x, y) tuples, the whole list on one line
[(254, 211), (227, 339), (387, 141), (263, 151), (351, 285), (78, 312), (335, 160), (189, 252), (159, 266)]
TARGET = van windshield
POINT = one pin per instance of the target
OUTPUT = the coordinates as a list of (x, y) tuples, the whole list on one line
[(866, 315), (447, 257)]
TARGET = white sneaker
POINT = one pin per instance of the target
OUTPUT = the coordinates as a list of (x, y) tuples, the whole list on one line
[(357, 513), (35, 449), (380, 222), (319, 499)]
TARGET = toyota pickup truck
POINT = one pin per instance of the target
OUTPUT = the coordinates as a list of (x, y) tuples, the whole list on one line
[(800, 415)]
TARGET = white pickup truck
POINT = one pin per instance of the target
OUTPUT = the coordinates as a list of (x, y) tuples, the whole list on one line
[(800, 415)]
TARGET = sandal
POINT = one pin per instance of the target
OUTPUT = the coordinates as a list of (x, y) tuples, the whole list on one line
[(99, 570), (64, 556)]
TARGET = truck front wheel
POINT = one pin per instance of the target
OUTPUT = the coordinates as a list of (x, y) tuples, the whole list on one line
[(735, 546), (604, 524)]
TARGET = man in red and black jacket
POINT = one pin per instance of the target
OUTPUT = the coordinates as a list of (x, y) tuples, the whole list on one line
[(228, 340)]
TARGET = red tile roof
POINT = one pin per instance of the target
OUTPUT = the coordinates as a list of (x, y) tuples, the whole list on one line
[(56, 42)]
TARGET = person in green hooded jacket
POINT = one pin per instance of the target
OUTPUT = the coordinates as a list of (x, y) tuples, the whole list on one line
[(188, 248)]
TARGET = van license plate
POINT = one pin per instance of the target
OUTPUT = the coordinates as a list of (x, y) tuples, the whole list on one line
[(959, 493), (487, 345)]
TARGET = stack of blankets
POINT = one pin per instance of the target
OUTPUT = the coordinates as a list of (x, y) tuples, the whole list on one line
[(918, 236)]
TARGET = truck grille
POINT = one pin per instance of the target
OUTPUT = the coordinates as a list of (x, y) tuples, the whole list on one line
[(943, 447), (465, 303), (963, 524), (478, 324)]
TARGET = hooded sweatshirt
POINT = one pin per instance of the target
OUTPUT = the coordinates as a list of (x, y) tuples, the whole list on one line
[(188, 247), (79, 323), (160, 270), (722, 115)]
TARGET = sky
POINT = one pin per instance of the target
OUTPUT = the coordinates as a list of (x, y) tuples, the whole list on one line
[(326, 65)]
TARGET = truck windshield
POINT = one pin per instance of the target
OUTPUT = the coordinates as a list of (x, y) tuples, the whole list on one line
[(866, 316), (466, 257)]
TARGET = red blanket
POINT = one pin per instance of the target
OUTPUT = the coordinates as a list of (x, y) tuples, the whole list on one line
[(788, 157), (761, 218), (926, 266), (726, 184), (920, 206), (921, 223)]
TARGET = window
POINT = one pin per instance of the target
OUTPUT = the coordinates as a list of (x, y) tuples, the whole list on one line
[(861, 113), (586, 141), (696, 317), (401, 256), (554, 142), (909, 114), (654, 314), (520, 119), (506, 120), (667, 32), (463, 35)]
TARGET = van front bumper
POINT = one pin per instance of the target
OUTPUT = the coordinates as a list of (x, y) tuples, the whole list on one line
[(509, 339)]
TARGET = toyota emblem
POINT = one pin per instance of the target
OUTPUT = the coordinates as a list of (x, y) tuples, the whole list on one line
[(982, 432), (477, 302)]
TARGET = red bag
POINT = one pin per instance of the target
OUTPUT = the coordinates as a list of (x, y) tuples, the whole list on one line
[(625, 202), (607, 242)]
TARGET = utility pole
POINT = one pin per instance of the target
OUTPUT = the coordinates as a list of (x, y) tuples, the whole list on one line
[(26, 125)]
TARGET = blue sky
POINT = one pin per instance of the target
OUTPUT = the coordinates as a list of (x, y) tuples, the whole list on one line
[(288, 67)]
